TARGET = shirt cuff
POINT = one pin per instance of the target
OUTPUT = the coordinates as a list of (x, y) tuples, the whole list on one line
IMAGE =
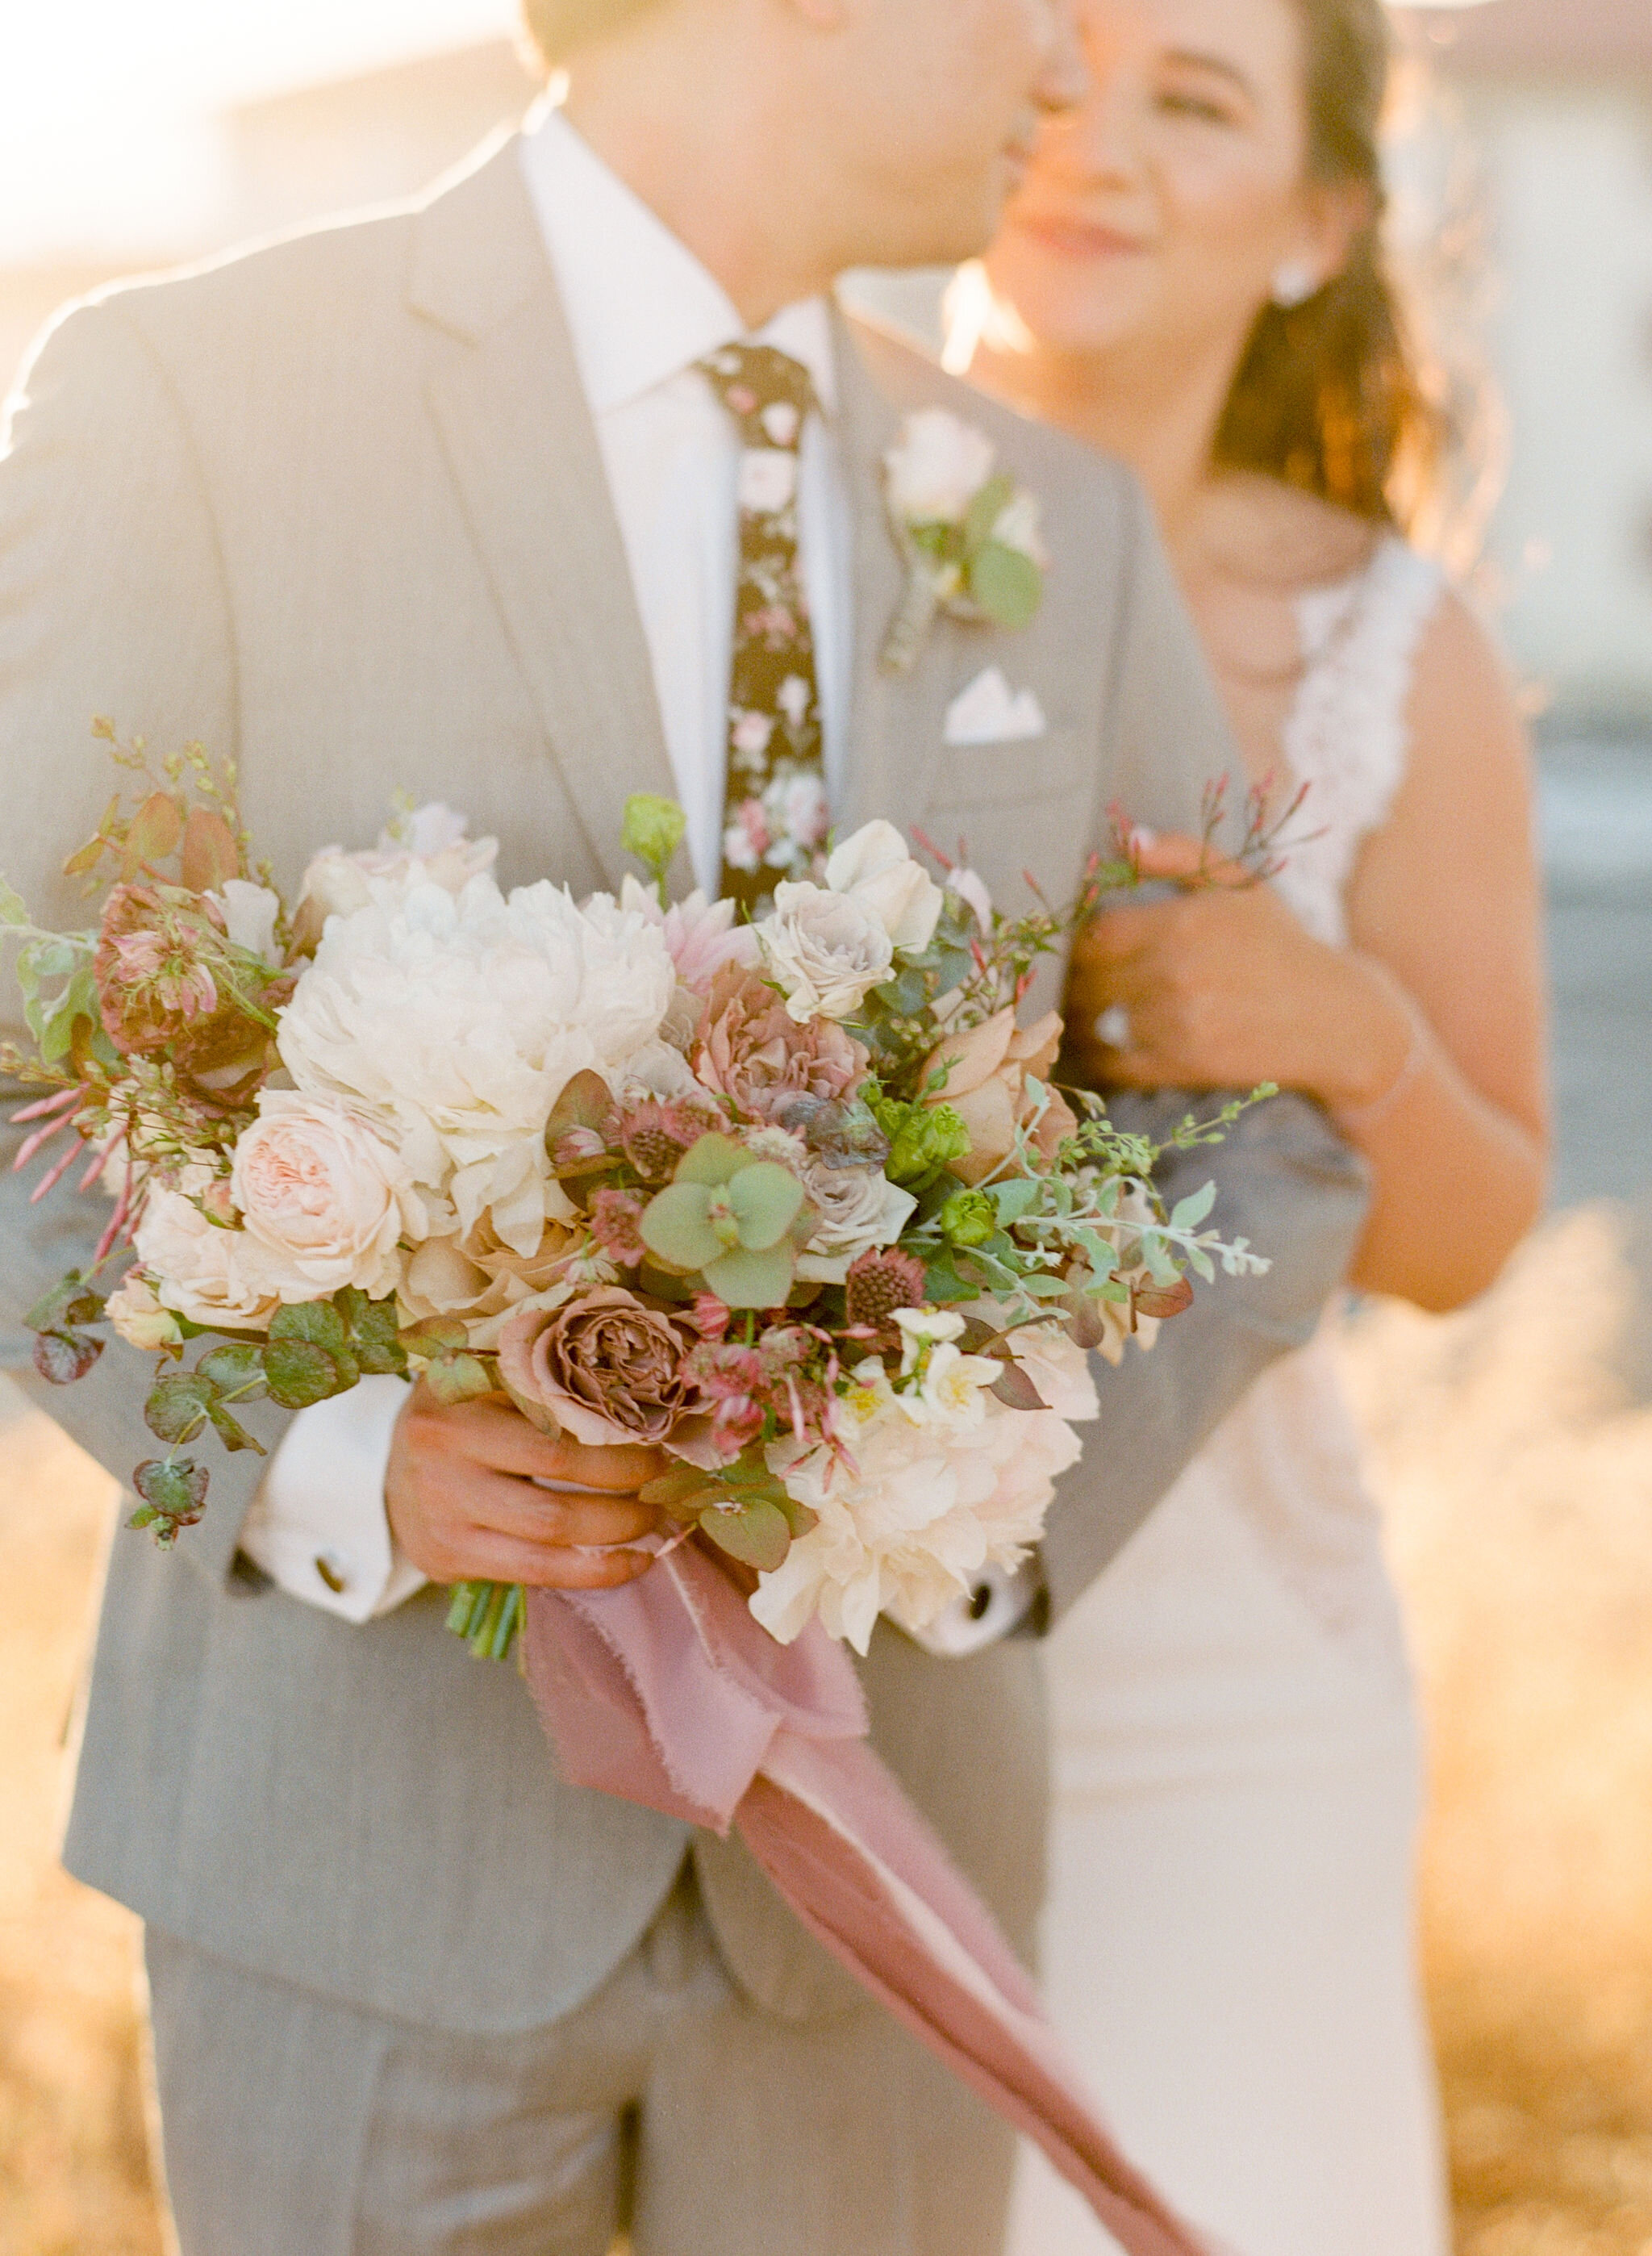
[(318, 1526), (1001, 1600)]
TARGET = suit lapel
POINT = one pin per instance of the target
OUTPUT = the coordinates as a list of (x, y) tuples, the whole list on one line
[(897, 720), (518, 436)]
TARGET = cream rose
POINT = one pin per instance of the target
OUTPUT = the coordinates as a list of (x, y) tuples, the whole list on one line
[(826, 951), (219, 1277), (858, 1208), (135, 1310), (874, 870), (937, 467), (326, 1196)]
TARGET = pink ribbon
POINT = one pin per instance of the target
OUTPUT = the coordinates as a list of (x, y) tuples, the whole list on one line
[(667, 1693)]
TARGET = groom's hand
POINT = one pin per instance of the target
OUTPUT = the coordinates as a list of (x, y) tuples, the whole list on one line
[(460, 1494)]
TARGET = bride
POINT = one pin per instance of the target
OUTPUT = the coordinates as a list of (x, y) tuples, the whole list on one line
[(1191, 277)]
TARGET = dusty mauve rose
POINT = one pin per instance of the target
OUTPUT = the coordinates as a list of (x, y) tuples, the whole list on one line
[(755, 1052), (604, 1367), (986, 1087)]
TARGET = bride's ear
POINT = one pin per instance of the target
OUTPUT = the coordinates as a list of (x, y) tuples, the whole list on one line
[(1335, 215)]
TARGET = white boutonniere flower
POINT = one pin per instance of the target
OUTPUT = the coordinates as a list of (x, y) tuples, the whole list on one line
[(969, 534)]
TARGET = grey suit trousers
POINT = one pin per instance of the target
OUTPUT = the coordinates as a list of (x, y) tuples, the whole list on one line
[(666, 2106)]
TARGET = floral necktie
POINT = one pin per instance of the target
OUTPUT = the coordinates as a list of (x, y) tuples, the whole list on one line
[(776, 815)]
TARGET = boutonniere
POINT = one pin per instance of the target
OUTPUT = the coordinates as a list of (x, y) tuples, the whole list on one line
[(968, 532)]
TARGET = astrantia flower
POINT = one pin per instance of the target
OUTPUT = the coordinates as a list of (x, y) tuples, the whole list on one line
[(456, 1023)]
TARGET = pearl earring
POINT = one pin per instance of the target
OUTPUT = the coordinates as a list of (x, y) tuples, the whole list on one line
[(1295, 283)]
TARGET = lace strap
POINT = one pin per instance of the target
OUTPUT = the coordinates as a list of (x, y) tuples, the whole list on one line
[(1347, 737)]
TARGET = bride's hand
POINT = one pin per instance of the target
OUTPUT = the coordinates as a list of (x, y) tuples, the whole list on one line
[(463, 1503), (1220, 987)]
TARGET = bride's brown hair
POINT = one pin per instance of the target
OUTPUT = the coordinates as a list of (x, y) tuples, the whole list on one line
[(1329, 396)]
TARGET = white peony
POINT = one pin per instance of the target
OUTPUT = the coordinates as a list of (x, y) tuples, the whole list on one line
[(326, 1196), (428, 847), (875, 870), (827, 952), (135, 1310), (214, 1276), (857, 1209), (249, 913), (907, 1514), (937, 467), (457, 1022)]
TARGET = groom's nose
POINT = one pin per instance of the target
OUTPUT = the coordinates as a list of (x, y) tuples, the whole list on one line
[(1065, 81)]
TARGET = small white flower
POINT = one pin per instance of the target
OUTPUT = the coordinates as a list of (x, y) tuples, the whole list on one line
[(249, 912), (924, 1328), (971, 888), (792, 698), (768, 480), (750, 734), (795, 808), (827, 953), (937, 467), (875, 870), (953, 1389), (1019, 526)]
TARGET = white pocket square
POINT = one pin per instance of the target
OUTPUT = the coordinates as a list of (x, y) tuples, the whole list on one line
[(990, 712)]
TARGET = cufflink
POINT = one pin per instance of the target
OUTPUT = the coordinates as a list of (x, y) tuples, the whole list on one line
[(334, 1571)]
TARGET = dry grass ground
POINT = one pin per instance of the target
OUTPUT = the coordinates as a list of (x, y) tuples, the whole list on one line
[(1513, 1447)]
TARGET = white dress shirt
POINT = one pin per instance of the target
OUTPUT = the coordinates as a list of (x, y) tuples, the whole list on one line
[(641, 310)]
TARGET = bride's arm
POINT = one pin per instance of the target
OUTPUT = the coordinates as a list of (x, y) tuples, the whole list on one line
[(1425, 1039)]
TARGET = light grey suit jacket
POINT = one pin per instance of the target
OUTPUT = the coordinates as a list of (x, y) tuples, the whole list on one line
[(337, 508)]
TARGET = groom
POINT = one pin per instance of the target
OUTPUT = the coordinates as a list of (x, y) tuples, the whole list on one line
[(455, 500)]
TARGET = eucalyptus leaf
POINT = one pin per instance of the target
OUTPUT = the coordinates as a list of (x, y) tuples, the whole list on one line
[(1006, 585), (757, 1534), (747, 1280)]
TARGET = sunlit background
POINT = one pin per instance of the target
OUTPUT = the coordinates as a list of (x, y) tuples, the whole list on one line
[(1512, 1445)]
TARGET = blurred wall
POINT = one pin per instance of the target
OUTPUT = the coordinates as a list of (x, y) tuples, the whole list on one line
[(1557, 96)]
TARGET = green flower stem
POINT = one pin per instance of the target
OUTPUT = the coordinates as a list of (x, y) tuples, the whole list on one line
[(489, 1616)]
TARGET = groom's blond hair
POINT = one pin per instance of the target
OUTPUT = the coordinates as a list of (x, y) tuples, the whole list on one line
[(557, 27)]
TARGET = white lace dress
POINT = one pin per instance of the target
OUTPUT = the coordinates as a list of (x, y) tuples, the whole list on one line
[(1229, 1945)]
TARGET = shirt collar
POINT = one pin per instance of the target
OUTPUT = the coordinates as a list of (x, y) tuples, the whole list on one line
[(640, 306)]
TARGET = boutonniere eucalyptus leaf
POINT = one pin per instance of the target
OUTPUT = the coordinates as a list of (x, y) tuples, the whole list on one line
[(970, 535)]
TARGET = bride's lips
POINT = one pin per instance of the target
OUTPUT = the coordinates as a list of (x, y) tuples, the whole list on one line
[(1079, 239)]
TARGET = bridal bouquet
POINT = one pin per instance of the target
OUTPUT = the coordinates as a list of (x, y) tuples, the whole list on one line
[(798, 1202)]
